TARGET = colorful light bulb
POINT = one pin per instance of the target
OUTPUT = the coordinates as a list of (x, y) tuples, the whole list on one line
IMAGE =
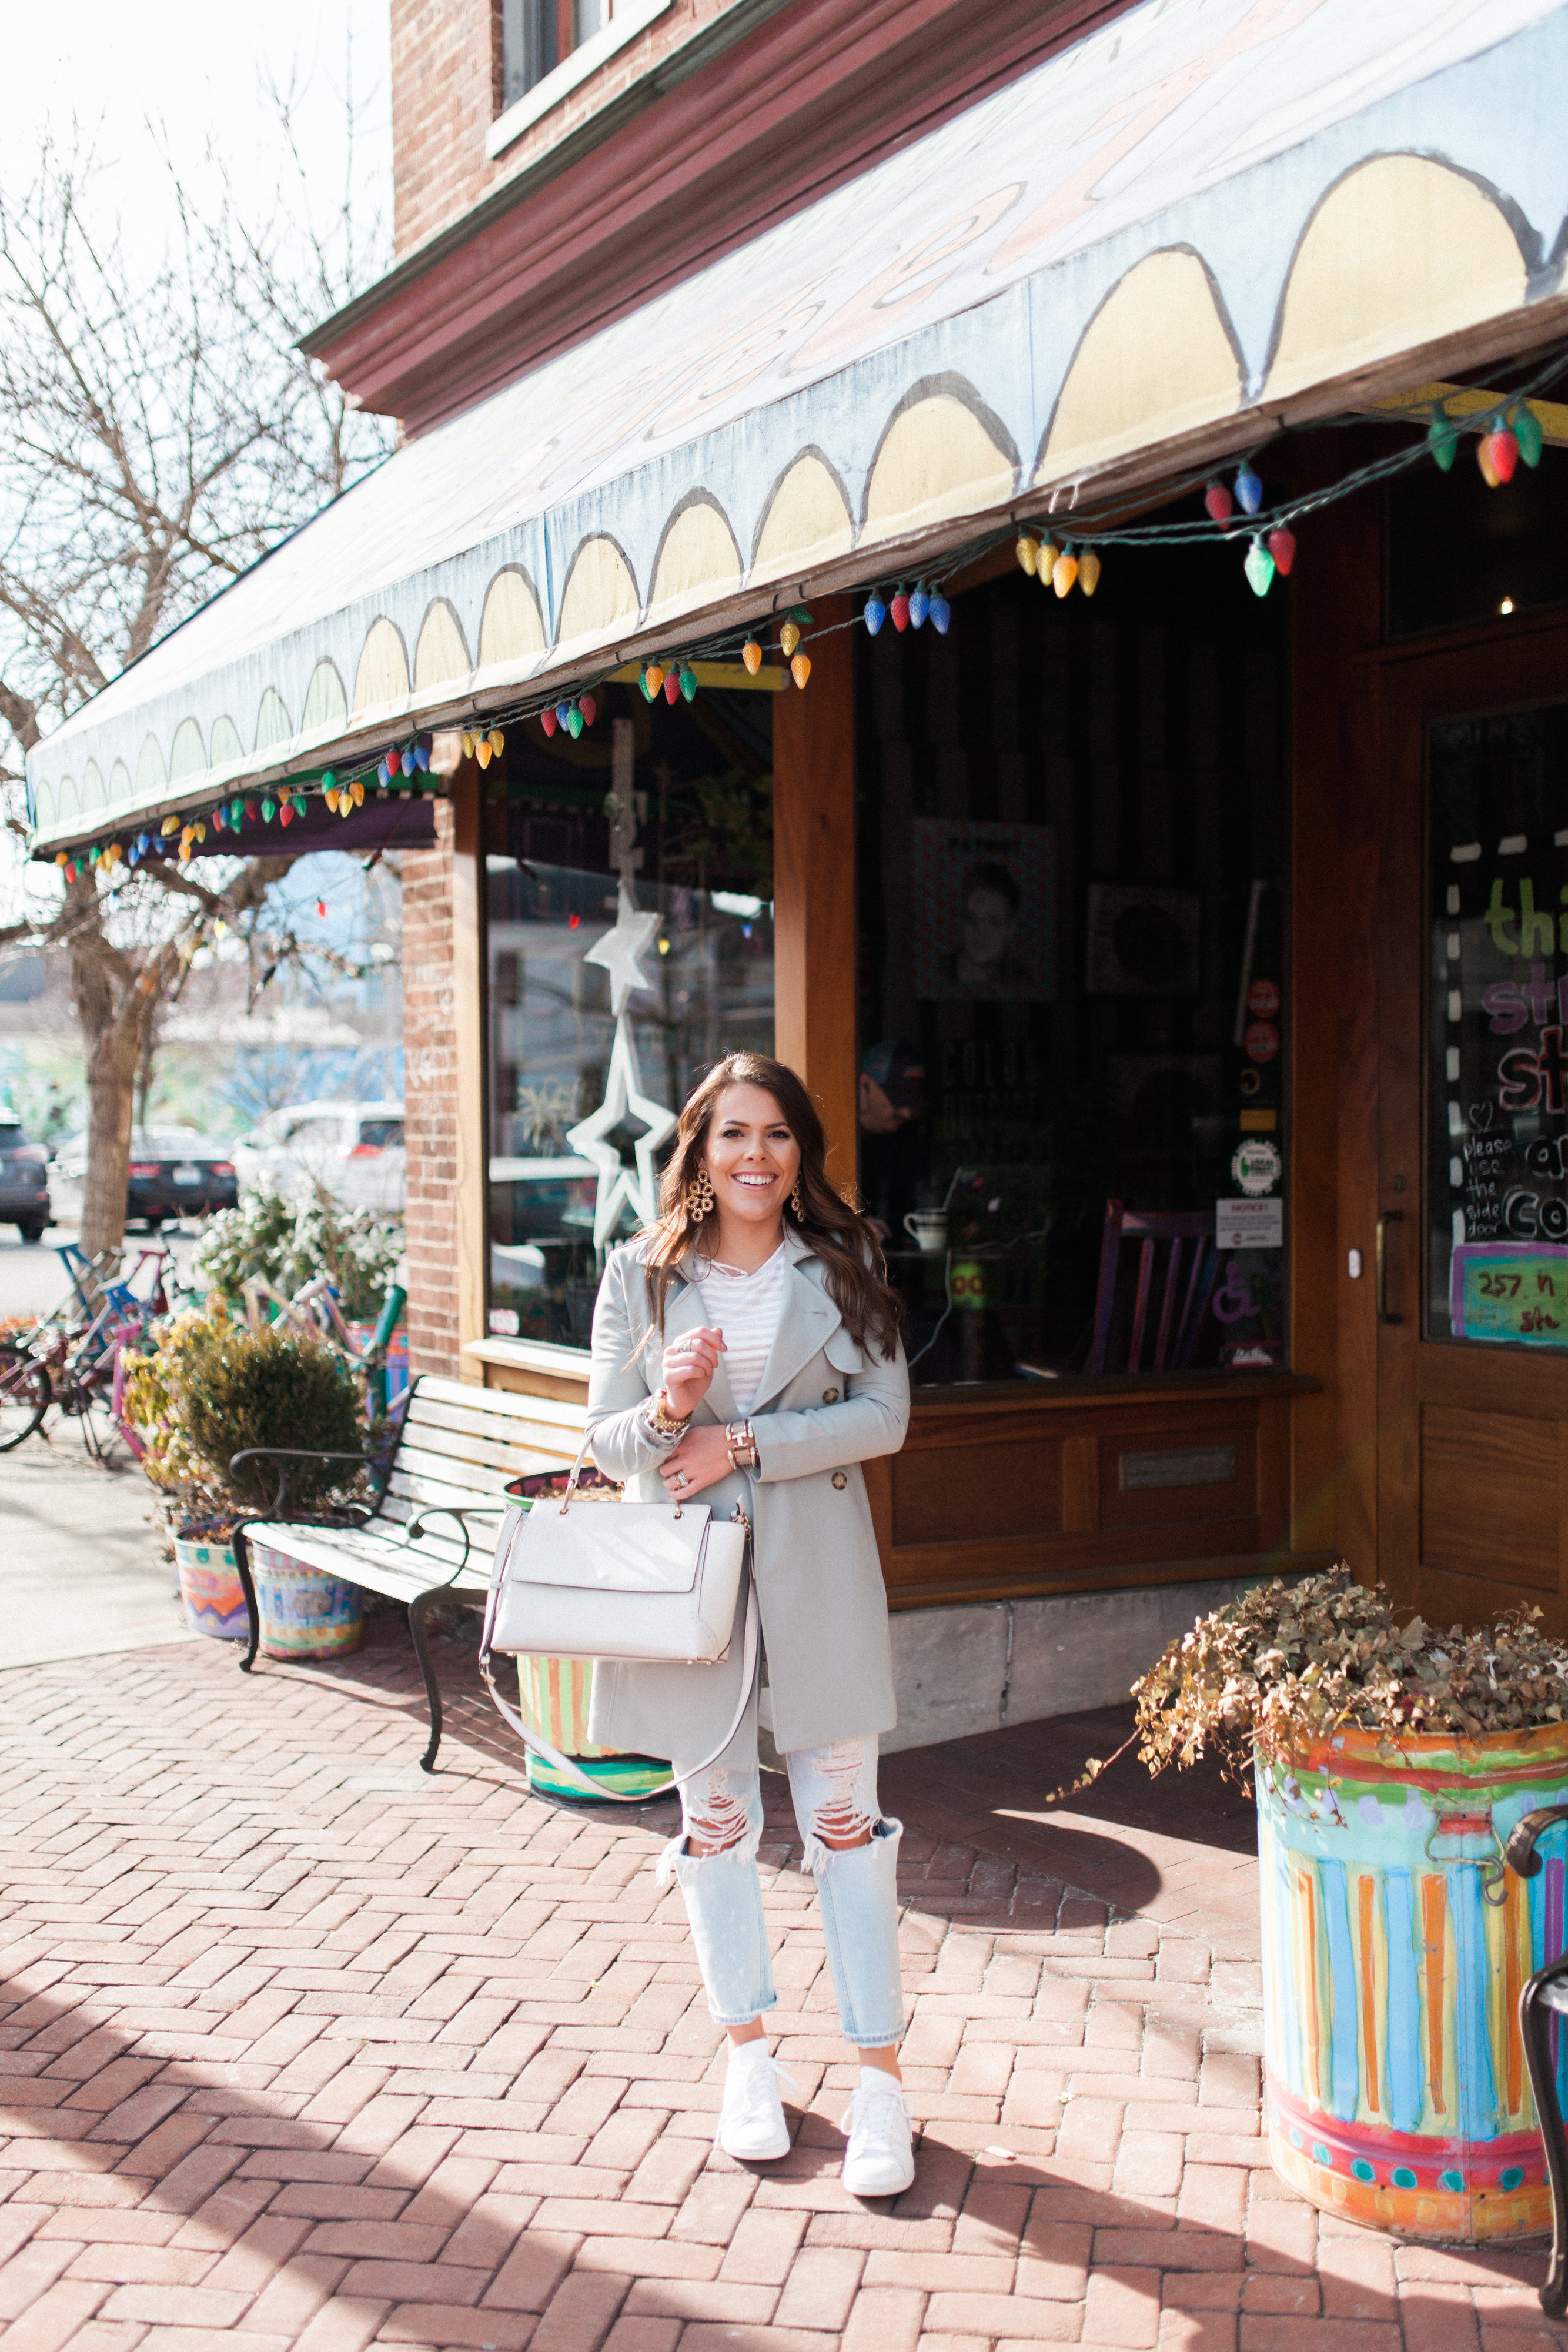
[(143, 842), (1258, 566), (422, 755), (589, 707), (1065, 572), (268, 809), (1217, 499), (789, 636), (236, 813), (574, 722), (672, 687), (688, 682), (562, 708), (801, 669), (383, 773), (221, 817), (62, 857), (328, 780), (250, 809), (1503, 448), (481, 748), (170, 824), (286, 813), (408, 762), (653, 680), (1282, 547), (331, 799), (356, 793), (1026, 550), (299, 800), (548, 720), (1248, 490), (751, 654), (874, 612), (899, 608), (1527, 432), (1089, 571), (941, 614), (1442, 441), (919, 606), (1045, 556)]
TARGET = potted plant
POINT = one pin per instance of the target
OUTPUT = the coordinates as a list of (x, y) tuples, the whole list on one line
[(1390, 1763), (209, 1391)]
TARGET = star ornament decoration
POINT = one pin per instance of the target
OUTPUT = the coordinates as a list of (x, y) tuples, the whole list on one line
[(635, 1187), (621, 951)]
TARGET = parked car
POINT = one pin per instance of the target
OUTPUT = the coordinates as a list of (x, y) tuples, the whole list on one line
[(173, 1172), (355, 1150), (24, 1182)]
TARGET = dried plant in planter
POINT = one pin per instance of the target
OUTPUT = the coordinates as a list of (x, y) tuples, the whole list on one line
[(1282, 1670)]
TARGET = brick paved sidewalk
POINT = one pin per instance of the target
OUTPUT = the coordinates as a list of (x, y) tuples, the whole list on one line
[(298, 2046)]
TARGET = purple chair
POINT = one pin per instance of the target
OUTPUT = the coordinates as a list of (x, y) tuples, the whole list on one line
[(1179, 1325)]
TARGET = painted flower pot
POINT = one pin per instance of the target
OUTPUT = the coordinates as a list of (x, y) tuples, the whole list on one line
[(1395, 1946), (210, 1590), (553, 1698), (304, 1612)]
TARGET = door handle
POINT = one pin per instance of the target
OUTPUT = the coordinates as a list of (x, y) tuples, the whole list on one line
[(1386, 1217)]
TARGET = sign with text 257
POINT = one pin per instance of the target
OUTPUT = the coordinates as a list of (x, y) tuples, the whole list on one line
[(1510, 1291)]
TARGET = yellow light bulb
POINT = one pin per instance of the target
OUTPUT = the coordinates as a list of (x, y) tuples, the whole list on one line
[(1089, 571), (170, 824), (1045, 556), (1065, 572), (788, 638), (358, 790), (331, 799), (1026, 550), (801, 669), (497, 741), (482, 751), (751, 654), (655, 679), (468, 744)]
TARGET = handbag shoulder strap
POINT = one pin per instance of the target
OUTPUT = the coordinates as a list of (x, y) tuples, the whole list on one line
[(571, 1773)]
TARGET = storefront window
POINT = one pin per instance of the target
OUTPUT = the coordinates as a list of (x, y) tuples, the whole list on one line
[(655, 812), (1073, 1084), (1496, 1012)]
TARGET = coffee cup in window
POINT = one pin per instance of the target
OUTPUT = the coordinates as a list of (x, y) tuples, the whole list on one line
[(927, 1228)]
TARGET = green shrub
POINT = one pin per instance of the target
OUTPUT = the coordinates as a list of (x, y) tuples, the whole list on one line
[(292, 1242), (210, 1390)]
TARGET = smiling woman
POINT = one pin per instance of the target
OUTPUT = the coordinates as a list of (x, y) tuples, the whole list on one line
[(746, 1350)]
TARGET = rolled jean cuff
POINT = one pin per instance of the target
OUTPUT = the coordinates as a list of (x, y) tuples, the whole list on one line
[(723, 1904)]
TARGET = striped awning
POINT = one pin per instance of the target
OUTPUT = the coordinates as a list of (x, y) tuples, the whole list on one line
[(1206, 210)]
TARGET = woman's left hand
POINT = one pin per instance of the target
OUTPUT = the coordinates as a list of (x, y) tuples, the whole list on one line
[(699, 1460)]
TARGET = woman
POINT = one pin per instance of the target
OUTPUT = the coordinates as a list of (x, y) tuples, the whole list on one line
[(746, 1349)]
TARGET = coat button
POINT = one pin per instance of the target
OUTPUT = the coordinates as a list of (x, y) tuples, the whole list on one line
[(841, 1478), (829, 1396)]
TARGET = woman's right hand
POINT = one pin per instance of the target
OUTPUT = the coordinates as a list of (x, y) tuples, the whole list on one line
[(689, 1365)]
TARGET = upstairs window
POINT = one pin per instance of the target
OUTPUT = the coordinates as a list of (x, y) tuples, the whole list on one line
[(536, 36)]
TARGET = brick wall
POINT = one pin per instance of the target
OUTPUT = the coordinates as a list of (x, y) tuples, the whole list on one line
[(445, 93), (430, 1087)]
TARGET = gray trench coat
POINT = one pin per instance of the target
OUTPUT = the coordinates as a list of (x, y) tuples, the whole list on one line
[(823, 1408)]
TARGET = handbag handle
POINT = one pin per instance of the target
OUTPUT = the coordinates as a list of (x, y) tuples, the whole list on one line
[(589, 1788)]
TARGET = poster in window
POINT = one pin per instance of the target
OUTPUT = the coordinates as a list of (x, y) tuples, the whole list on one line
[(984, 900)]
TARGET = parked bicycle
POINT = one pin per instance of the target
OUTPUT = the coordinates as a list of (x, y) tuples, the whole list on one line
[(316, 1308), (71, 1357)]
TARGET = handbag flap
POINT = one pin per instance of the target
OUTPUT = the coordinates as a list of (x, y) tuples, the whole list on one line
[(648, 1547)]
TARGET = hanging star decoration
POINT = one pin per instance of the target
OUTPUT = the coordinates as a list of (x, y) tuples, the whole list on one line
[(621, 951), (635, 1187)]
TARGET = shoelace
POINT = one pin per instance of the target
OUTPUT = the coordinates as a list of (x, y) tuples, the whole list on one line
[(751, 2074), (863, 2110)]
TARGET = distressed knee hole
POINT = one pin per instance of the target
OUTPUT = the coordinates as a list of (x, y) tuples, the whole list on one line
[(719, 1824), (842, 1821)]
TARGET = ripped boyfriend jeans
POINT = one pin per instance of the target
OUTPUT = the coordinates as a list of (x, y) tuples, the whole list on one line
[(834, 1793)]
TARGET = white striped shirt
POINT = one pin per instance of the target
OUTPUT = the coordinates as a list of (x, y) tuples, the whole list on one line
[(746, 1307)]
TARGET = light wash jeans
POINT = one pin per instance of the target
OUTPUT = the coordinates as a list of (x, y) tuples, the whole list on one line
[(834, 1793)]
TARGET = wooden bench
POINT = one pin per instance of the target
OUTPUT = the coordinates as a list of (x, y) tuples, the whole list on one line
[(455, 1450)]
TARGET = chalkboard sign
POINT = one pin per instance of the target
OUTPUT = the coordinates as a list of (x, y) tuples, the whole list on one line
[(1497, 1175)]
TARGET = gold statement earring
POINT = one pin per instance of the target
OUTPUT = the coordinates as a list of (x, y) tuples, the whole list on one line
[(700, 1196), (795, 1202)]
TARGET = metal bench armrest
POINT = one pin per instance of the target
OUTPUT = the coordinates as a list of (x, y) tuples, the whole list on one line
[(285, 1454), (461, 1513), (1520, 1852)]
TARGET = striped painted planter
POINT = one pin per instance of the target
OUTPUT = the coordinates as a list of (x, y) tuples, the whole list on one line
[(1394, 1951), (553, 1698), (304, 1614), (210, 1590)]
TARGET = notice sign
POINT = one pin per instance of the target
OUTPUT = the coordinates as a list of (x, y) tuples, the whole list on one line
[(1515, 1291), (1248, 1225)]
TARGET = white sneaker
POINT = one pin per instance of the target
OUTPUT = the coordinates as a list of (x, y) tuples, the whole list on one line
[(751, 2125), (880, 2158)]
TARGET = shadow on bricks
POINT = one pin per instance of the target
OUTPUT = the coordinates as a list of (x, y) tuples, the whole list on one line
[(299, 2046)]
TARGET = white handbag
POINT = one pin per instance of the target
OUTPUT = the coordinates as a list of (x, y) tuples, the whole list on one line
[(649, 1583)]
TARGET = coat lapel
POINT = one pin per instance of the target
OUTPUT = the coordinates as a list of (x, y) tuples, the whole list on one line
[(807, 1318)]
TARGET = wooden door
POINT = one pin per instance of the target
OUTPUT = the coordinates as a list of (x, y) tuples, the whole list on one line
[(1470, 1265)]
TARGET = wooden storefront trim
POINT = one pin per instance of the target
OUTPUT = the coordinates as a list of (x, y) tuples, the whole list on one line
[(469, 1026)]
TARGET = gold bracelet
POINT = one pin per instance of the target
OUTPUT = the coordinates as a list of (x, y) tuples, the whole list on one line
[(662, 1424), (741, 1446)]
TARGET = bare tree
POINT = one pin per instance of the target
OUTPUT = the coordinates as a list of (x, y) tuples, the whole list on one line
[(158, 432)]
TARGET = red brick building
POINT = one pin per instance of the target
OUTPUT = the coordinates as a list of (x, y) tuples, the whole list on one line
[(1158, 899)]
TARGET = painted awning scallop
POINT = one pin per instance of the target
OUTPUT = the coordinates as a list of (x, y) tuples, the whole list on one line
[(1202, 211)]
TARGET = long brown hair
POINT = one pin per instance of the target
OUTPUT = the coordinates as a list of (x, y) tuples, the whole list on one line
[(853, 1264)]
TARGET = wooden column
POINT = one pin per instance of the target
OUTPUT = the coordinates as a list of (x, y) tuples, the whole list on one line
[(469, 1024), (814, 883)]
